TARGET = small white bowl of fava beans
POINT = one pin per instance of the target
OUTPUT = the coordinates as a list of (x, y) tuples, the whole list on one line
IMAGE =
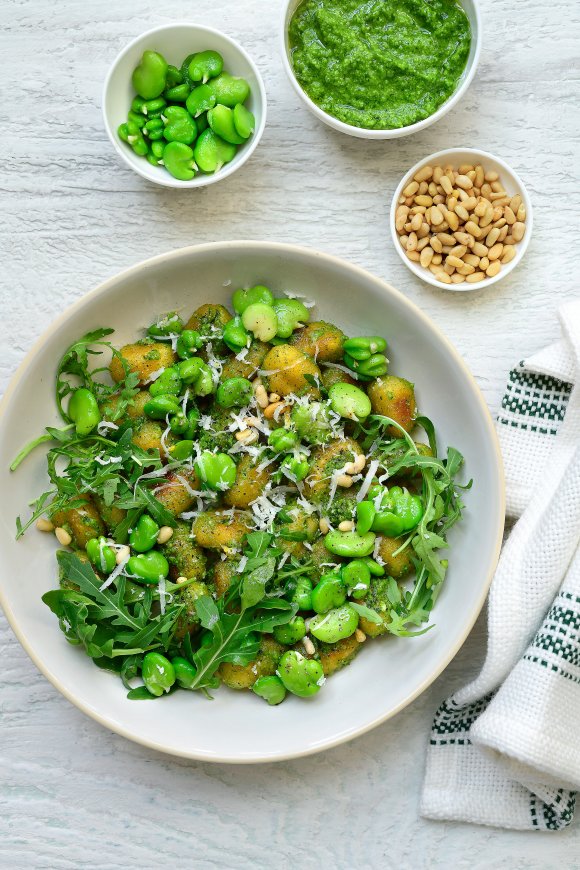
[(461, 219)]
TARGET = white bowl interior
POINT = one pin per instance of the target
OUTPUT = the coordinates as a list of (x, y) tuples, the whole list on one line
[(512, 184), (389, 672), (472, 12), (175, 42)]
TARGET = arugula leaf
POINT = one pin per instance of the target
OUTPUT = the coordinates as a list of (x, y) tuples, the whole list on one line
[(366, 612), (158, 511), (254, 583)]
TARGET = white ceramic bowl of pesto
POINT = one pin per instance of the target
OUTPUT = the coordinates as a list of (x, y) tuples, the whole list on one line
[(175, 42), (471, 9), (389, 672)]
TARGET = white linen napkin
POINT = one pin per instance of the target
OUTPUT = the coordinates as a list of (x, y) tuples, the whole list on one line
[(504, 750)]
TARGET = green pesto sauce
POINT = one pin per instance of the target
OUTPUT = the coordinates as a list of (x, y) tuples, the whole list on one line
[(379, 64)]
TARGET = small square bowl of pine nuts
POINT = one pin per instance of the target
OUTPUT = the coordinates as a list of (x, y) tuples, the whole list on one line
[(461, 219)]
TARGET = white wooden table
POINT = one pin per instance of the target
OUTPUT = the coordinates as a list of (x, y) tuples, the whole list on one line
[(73, 795)]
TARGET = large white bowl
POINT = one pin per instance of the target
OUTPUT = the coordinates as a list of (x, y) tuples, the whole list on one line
[(390, 672), (471, 10), (175, 42)]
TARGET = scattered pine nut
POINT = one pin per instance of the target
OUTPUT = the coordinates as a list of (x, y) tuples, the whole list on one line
[(181, 580), (62, 536), (261, 395), (274, 397), (324, 526), (165, 533), (344, 480), (309, 647), (44, 525), (270, 410), (360, 635), (122, 553), (248, 436)]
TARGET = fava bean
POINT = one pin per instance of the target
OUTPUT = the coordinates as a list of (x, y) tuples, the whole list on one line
[(178, 94), (200, 100), (291, 314), (149, 567), (188, 343), (221, 121), (242, 299), (296, 468), (373, 367), (365, 515), (168, 382), (179, 126), (185, 673), (350, 544), (101, 555), (300, 592), (169, 324), (357, 577), (281, 440), (83, 410), (271, 689), (235, 335), (349, 401), (229, 91), (143, 536), (335, 625), (363, 347), (301, 676), (234, 393), (217, 471), (150, 75), (244, 121), (178, 160), (329, 592), (260, 319), (189, 369), (173, 76), (182, 450), (205, 65), (158, 673), (159, 407), (291, 632), (211, 152)]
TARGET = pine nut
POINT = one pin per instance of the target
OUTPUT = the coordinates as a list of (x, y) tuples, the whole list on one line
[(274, 397), (360, 635), (484, 264), (270, 410), (165, 533), (471, 260), (454, 261), (509, 215), (181, 580), (446, 184), (324, 526), (480, 208), (515, 203), (346, 526), (479, 176), (403, 240), (344, 480), (493, 269), (424, 174), (492, 237), (503, 234), (413, 256), (436, 216), (261, 396), (464, 182), (412, 243), (44, 525), (521, 213), (518, 231), (426, 256), (469, 203), (411, 189), (509, 253), (401, 217), (309, 647), (466, 269), (452, 219), (495, 252), (462, 213), (436, 245), (424, 200), (437, 174), (491, 176), (437, 260), (475, 277), (62, 536), (457, 278), (249, 436), (479, 249), (122, 554), (443, 277), (473, 229)]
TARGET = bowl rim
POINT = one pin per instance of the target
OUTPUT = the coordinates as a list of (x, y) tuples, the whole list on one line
[(363, 132), (522, 246), (282, 249), (201, 180)]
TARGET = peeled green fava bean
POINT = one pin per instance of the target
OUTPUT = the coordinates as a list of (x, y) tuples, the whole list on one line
[(173, 76), (217, 471), (157, 673), (150, 567), (139, 120), (182, 450), (234, 393), (365, 516), (349, 401), (177, 94), (153, 108), (291, 314), (178, 160), (83, 410), (144, 536), (221, 121), (204, 384), (364, 346), (301, 676), (101, 555), (291, 632), (185, 673), (157, 149), (188, 343), (373, 367), (335, 625), (178, 423), (329, 592), (160, 406), (229, 90), (179, 125), (271, 689), (235, 335), (282, 439), (211, 152), (243, 298), (189, 369), (136, 140), (295, 468), (300, 592), (374, 567), (149, 76), (356, 577), (244, 121), (123, 133), (350, 544), (169, 383), (200, 100), (261, 321), (205, 65), (168, 324)]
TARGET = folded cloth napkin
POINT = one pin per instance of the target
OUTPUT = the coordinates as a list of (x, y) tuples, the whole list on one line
[(504, 750)]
